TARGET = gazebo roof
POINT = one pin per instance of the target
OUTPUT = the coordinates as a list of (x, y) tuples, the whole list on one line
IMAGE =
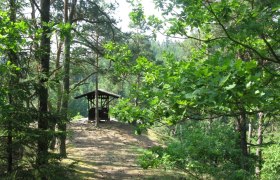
[(91, 95)]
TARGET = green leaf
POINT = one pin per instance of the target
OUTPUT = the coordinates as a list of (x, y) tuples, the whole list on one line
[(230, 86), (190, 96), (238, 64), (224, 80), (155, 101), (249, 84), (166, 86)]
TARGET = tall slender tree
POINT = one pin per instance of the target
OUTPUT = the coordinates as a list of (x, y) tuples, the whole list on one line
[(42, 152), (13, 58), (68, 20)]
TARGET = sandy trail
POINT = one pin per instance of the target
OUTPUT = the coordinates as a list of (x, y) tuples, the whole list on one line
[(109, 152)]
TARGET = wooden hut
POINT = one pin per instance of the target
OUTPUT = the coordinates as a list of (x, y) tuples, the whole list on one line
[(104, 99)]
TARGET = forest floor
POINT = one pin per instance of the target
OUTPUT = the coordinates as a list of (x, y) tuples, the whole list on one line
[(110, 151)]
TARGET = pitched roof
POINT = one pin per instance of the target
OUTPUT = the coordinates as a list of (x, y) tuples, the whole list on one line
[(100, 92)]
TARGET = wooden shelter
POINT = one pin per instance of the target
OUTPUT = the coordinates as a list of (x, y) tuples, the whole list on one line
[(104, 99)]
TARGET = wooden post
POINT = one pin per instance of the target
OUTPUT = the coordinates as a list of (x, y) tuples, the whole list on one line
[(96, 89)]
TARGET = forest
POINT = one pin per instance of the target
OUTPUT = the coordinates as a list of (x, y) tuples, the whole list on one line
[(209, 90)]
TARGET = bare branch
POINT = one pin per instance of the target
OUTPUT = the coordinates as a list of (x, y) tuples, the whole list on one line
[(37, 6), (55, 71), (82, 81), (90, 21)]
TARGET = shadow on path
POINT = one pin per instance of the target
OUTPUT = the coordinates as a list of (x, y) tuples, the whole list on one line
[(109, 152)]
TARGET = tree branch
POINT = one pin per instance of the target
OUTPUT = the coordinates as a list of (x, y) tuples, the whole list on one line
[(106, 15), (37, 6), (72, 11), (54, 71), (89, 45), (195, 38), (90, 21), (262, 145), (209, 7), (80, 82), (270, 48)]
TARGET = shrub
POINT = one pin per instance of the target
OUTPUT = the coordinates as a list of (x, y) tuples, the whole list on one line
[(202, 149)]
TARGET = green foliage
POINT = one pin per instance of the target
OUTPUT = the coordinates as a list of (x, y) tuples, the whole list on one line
[(271, 155), (126, 56), (18, 117), (232, 69), (137, 15), (202, 149), (64, 30), (120, 54), (151, 157), (192, 88), (77, 117), (10, 33), (11, 115), (53, 171), (271, 165)]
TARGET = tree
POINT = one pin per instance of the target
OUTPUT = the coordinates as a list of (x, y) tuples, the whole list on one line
[(68, 20), (231, 74), (222, 21), (29, 75), (14, 81), (82, 21), (12, 107), (42, 157)]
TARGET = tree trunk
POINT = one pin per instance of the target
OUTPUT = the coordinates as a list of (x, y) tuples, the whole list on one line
[(59, 91), (96, 89), (66, 79), (59, 87), (260, 141), (42, 152), (250, 131), (134, 122), (66, 85), (242, 129), (35, 45), (10, 149)]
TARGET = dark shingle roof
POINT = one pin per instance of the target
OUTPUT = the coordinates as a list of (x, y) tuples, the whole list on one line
[(100, 92)]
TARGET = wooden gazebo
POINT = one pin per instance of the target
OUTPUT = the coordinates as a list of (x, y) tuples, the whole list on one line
[(104, 99)]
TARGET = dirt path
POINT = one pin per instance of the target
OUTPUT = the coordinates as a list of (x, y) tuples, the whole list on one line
[(109, 152)]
